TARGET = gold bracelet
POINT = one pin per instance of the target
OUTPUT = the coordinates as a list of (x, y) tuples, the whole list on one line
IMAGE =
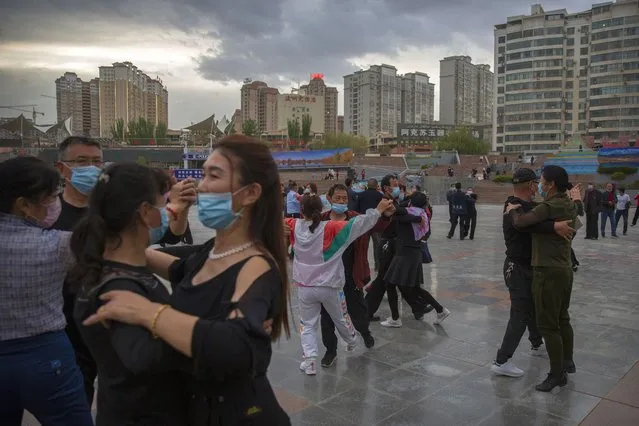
[(154, 321)]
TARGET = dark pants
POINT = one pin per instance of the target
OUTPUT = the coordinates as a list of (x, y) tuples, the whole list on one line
[(462, 225), (377, 288), (518, 278), (552, 288), (605, 215), (83, 357), (618, 215), (357, 310), (636, 216), (39, 374), (470, 225), (416, 297), (592, 220)]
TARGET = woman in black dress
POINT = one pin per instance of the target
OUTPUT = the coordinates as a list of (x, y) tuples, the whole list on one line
[(405, 271), (138, 379), (225, 291)]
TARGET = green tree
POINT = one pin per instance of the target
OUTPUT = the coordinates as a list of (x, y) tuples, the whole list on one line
[(462, 141), (358, 144), (140, 130), (160, 133), (293, 129), (307, 121), (385, 150), (118, 130), (250, 128)]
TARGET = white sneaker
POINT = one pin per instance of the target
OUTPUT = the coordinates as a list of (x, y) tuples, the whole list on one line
[(308, 366), (389, 322), (539, 351), (506, 369), (442, 316)]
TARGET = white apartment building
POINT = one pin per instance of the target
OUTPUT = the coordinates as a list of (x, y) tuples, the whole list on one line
[(317, 87), (418, 98), (465, 92), (562, 76), (376, 100), (294, 106)]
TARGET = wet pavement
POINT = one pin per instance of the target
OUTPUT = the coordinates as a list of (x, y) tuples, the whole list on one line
[(422, 374)]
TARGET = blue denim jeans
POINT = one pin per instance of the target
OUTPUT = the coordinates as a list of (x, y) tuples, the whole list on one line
[(39, 374), (605, 215)]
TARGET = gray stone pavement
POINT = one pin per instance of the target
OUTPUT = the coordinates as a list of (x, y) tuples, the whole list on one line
[(426, 375)]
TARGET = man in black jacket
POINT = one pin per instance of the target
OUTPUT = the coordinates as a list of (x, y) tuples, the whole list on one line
[(459, 209), (369, 199), (592, 206), (518, 274)]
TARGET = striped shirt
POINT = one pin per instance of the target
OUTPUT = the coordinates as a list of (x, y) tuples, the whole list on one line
[(33, 265)]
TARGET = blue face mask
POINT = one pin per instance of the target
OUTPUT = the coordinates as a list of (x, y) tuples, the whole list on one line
[(396, 192), (401, 197), (84, 178), (215, 210), (541, 191), (156, 234), (339, 208)]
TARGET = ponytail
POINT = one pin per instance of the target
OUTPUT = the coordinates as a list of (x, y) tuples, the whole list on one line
[(316, 217), (88, 243)]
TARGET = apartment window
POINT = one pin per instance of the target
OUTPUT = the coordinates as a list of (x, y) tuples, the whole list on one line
[(501, 49), (500, 80), (570, 42), (501, 40), (569, 85), (555, 30), (583, 72), (583, 51), (583, 94), (583, 62), (584, 39), (528, 33), (538, 32), (570, 31), (570, 74), (570, 52)]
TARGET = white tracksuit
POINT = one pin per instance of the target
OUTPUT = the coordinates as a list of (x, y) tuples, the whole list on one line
[(318, 272)]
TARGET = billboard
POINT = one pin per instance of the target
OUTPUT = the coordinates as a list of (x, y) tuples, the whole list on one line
[(320, 158), (428, 132)]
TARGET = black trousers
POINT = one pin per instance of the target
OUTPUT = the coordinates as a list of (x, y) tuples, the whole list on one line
[(619, 214), (416, 297), (518, 279), (470, 225), (592, 225), (356, 307), (462, 219), (636, 216), (377, 288)]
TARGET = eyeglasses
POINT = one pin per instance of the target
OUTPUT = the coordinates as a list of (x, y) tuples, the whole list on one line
[(81, 162)]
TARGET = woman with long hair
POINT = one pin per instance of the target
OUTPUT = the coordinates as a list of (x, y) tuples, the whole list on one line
[(38, 370), (138, 378), (225, 291), (552, 273)]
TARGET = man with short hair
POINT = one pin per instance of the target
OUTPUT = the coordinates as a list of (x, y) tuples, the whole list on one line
[(592, 207), (80, 163), (352, 195), (459, 210), (369, 199), (608, 203), (518, 274)]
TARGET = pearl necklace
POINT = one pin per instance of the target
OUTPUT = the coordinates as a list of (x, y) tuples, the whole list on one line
[(235, 250)]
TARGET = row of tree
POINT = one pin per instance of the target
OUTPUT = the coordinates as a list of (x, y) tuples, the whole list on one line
[(140, 131)]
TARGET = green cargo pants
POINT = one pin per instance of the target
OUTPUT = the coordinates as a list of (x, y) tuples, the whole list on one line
[(551, 288)]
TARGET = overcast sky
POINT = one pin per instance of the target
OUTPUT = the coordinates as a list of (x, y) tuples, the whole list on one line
[(203, 49)]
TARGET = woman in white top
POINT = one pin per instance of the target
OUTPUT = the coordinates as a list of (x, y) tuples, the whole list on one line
[(318, 270)]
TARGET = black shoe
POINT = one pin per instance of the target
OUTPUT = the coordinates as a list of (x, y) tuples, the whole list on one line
[(552, 381), (569, 367), (449, 236), (420, 315), (369, 341), (329, 359), (375, 318)]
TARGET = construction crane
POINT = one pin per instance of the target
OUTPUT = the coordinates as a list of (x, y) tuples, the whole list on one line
[(19, 108)]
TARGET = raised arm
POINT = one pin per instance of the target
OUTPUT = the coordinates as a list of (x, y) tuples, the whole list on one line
[(402, 215)]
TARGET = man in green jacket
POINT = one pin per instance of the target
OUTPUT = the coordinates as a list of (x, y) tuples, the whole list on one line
[(552, 273)]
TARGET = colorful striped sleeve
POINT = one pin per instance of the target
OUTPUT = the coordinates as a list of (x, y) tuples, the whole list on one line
[(339, 235)]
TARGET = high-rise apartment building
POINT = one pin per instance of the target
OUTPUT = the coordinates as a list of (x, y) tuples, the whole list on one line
[(465, 92), (377, 99), (418, 98), (259, 103), (127, 93), (567, 75), (79, 100), (317, 87)]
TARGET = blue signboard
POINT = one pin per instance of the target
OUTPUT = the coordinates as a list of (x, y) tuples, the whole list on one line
[(194, 156), (181, 174)]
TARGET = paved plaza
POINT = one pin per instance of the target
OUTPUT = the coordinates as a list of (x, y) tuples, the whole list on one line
[(426, 375)]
